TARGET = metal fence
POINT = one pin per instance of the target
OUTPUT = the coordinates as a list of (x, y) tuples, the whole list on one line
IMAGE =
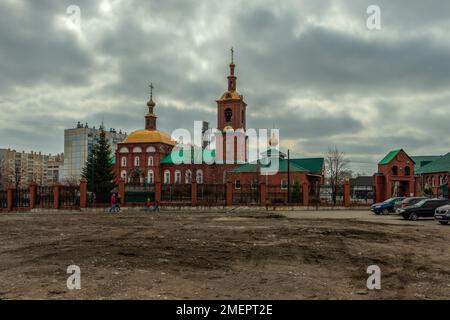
[(246, 194), (3, 199), (328, 198), (21, 198), (100, 194), (69, 197), (361, 195), (276, 195), (44, 197), (176, 193), (211, 194), (139, 194)]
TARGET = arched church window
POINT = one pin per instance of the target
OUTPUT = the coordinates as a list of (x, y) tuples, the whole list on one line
[(150, 177), (137, 149), (150, 161), (228, 114), (188, 177), (137, 162), (177, 177), (123, 162), (395, 171), (199, 176), (123, 175), (407, 171), (166, 177)]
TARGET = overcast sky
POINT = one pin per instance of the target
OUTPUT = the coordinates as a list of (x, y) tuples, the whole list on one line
[(310, 68)]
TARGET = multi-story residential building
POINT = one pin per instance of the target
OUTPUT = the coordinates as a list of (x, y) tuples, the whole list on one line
[(19, 169), (78, 144)]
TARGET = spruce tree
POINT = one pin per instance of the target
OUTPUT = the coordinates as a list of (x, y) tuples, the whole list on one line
[(99, 169)]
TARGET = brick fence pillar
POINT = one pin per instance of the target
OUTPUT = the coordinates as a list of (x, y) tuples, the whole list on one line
[(56, 195), (121, 190), (347, 194), (194, 193), (158, 191), (229, 193), (263, 193), (33, 195), (305, 192), (83, 193), (10, 199)]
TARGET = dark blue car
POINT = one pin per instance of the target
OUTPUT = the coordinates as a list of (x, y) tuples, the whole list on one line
[(386, 206)]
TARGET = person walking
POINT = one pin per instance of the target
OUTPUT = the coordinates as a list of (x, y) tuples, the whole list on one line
[(118, 202), (113, 203), (156, 206), (148, 204)]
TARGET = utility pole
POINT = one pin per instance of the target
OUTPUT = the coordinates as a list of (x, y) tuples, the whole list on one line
[(289, 176)]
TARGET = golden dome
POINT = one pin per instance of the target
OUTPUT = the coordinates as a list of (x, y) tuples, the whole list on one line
[(150, 103), (230, 95), (147, 136)]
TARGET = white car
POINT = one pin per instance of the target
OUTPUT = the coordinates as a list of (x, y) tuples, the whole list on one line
[(442, 214)]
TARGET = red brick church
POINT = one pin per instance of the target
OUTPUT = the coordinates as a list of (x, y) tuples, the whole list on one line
[(147, 155)]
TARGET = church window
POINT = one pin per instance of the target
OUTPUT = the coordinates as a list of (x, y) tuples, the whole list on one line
[(123, 162), (177, 177), (284, 184), (150, 177), (199, 176), (137, 162), (188, 177), (123, 175), (237, 184), (228, 115), (150, 161), (166, 177)]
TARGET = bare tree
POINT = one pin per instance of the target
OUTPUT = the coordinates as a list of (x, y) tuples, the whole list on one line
[(336, 169)]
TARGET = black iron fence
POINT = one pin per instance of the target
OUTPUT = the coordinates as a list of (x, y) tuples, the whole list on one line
[(44, 197), (21, 198), (100, 194), (211, 194), (278, 195), (3, 199), (69, 197), (246, 194), (177, 193), (361, 195), (332, 196), (139, 194)]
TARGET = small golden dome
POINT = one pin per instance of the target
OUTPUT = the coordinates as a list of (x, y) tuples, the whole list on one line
[(228, 95), (150, 103), (148, 136)]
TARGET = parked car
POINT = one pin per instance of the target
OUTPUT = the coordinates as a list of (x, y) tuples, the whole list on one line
[(442, 214), (424, 208), (407, 202), (386, 206)]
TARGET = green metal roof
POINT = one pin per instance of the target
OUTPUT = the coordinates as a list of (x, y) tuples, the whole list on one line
[(198, 155), (309, 165), (422, 161), (442, 164), (389, 157)]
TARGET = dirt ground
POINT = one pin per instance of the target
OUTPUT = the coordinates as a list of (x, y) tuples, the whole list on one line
[(236, 255)]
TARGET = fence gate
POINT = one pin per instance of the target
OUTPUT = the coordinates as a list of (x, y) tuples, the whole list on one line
[(211, 194), (21, 198), (246, 194), (44, 197)]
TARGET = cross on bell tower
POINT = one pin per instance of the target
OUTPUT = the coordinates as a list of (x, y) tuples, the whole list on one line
[(150, 118)]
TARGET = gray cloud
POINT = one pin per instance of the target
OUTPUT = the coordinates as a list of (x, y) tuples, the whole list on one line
[(311, 69)]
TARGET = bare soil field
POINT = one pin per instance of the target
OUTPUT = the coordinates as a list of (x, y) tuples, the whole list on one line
[(237, 255)]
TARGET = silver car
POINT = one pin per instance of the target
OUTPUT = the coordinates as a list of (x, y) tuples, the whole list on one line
[(442, 214)]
